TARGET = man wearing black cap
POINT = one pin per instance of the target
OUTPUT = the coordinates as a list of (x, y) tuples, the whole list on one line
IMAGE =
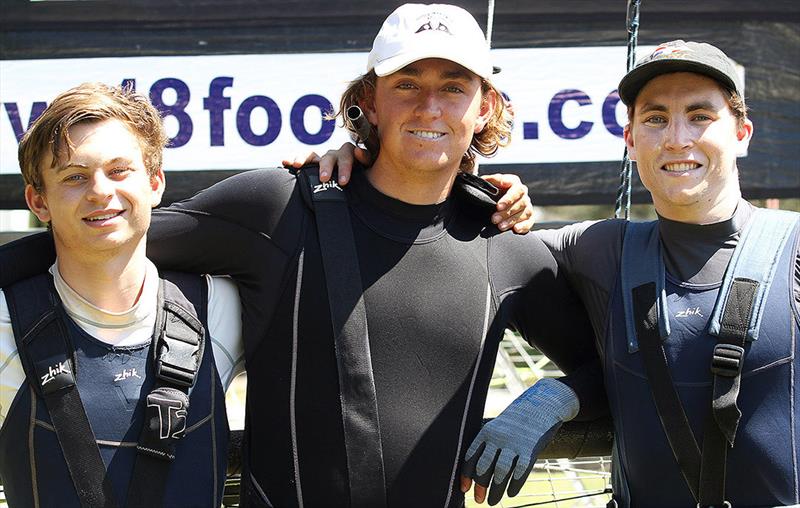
[(697, 312)]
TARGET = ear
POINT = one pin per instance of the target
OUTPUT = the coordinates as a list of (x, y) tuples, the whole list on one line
[(367, 105), (37, 203), (628, 135), (488, 105), (744, 134), (157, 185)]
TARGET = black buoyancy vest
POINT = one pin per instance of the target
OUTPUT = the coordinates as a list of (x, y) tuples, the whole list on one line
[(155, 413)]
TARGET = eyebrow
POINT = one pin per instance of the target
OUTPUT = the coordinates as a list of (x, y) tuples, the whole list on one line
[(111, 162), (702, 105), (70, 165), (691, 107), (410, 70), (649, 106)]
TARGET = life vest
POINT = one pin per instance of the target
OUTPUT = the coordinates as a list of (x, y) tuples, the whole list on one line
[(762, 464), (135, 401)]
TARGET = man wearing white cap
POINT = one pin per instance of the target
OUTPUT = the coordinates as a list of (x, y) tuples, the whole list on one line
[(368, 368), (697, 313)]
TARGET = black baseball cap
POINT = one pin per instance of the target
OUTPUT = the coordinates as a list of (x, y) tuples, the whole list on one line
[(680, 56)]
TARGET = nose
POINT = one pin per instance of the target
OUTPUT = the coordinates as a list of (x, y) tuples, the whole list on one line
[(428, 105), (101, 188), (679, 136)]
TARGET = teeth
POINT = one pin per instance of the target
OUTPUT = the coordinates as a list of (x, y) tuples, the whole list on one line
[(428, 134), (681, 166), (103, 217)]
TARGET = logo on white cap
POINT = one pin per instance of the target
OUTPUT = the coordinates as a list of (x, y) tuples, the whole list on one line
[(428, 25)]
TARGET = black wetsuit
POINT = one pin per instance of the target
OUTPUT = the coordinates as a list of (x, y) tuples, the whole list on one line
[(440, 286), (435, 318)]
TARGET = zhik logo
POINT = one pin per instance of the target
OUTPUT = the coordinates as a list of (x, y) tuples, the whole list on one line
[(689, 312), (55, 370), (326, 186), (125, 374)]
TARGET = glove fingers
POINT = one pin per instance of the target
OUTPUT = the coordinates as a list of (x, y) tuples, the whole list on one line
[(476, 447), (499, 484), (485, 467), (504, 466), (519, 477), (471, 460), (524, 467)]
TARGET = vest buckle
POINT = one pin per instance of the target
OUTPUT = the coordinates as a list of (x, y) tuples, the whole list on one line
[(727, 360), (174, 374)]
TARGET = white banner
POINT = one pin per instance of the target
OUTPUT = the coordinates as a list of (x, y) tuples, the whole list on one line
[(249, 111)]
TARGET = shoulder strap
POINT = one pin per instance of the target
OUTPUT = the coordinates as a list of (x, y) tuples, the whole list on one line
[(647, 326), (767, 232), (48, 360), (362, 436), (642, 263), (735, 320), (670, 411), (178, 344)]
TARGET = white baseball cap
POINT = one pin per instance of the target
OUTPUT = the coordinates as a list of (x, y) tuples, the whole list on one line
[(417, 31)]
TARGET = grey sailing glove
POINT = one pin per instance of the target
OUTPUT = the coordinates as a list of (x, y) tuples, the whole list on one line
[(511, 442)]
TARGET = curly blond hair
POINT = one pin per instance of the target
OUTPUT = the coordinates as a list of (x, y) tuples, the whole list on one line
[(495, 134)]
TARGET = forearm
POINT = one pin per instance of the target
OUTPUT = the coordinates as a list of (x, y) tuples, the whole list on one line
[(588, 384), (196, 242)]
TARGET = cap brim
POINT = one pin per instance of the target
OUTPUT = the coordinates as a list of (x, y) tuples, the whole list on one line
[(397, 62), (634, 81)]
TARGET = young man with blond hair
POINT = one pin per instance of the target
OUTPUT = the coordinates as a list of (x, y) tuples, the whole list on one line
[(111, 377)]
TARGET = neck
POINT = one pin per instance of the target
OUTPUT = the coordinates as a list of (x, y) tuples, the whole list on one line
[(721, 207), (112, 284), (415, 186)]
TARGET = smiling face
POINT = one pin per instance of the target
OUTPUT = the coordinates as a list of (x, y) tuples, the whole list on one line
[(685, 138), (426, 115), (98, 197)]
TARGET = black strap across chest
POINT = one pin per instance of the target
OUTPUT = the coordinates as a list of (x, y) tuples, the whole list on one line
[(48, 359), (362, 437)]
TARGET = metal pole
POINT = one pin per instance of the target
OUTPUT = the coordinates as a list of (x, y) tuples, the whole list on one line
[(622, 206)]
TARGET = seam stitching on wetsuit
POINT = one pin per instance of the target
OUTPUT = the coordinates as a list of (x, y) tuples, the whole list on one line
[(213, 411), (508, 290), (49, 427), (469, 393), (792, 415), (401, 239), (31, 454), (285, 279), (293, 382), (689, 384)]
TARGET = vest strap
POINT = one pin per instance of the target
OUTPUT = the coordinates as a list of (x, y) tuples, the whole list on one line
[(755, 259), (668, 405), (641, 263), (48, 360), (178, 351), (362, 436)]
